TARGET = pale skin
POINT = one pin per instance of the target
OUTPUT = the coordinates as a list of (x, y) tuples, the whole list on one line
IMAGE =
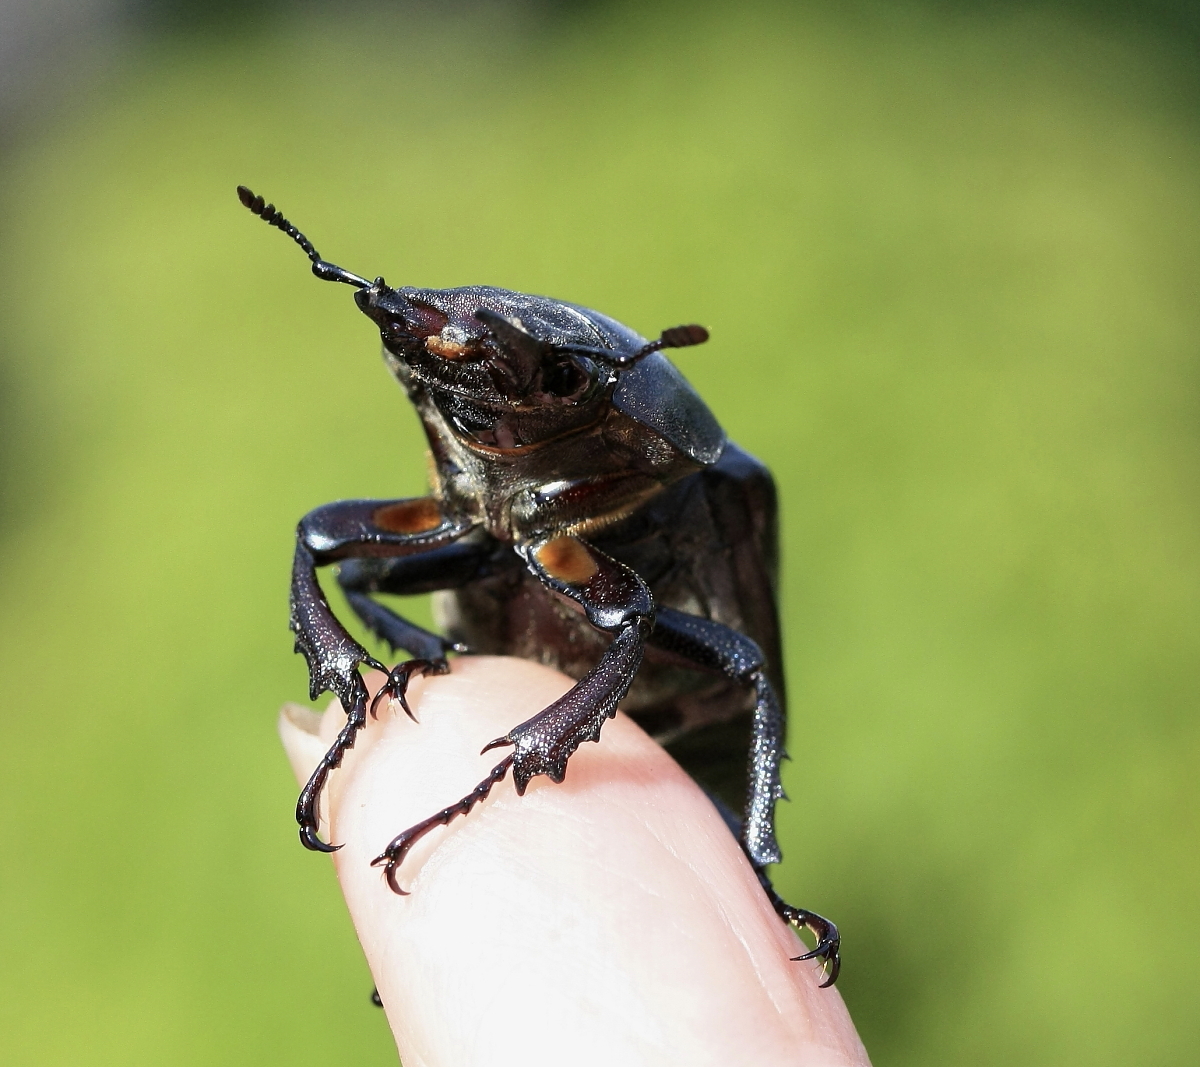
[(609, 920)]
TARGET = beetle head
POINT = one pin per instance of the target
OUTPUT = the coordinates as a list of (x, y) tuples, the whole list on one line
[(508, 370)]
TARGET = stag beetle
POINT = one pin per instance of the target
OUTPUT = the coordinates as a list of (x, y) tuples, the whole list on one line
[(571, 462)]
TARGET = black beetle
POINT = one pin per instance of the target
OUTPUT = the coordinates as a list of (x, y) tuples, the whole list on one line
[(586, 511)]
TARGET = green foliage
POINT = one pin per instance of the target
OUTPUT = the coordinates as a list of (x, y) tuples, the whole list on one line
[(950, 266)]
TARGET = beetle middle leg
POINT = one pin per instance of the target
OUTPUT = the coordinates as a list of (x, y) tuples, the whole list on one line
[(615, 600), (445, 567), (711, 646)]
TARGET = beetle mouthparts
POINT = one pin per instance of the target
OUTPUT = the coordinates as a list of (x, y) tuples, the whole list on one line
[(327, 272)]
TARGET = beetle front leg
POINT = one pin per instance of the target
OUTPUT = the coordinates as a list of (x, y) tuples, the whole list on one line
[(544, 744), (615, 600), (333, 658), (337, 531)]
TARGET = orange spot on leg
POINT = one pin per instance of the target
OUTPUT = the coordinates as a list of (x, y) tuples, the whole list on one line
[(568, 560), (409, 516)]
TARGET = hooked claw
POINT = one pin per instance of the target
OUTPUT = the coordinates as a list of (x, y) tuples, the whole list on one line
[(390, 865), (828, 952), (828, 942), (310, 840), (396, 686), (392, 856), (826, 933)]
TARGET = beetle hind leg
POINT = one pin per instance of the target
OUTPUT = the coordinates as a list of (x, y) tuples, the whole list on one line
[(826, 933), (828, 939), (758, 831), (712, 646), (765, 786)]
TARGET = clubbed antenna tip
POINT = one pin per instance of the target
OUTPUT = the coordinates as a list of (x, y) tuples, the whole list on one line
[(674, 337), (328, 272), (683, 336)]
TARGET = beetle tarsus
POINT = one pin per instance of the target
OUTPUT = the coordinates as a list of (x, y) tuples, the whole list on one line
[(307, 813), (828, 942), (310, 840), (396, 686), (392, 856), (828, 939)]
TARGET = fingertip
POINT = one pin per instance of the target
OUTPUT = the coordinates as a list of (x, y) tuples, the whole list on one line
[(300, 732), (620, 903)]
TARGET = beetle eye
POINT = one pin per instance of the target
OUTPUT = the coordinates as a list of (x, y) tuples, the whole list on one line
[(567, 378)]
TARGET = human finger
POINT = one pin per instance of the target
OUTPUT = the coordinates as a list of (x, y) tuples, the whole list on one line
[(611, 919)]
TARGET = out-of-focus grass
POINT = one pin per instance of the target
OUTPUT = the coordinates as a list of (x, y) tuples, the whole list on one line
[(950, 266)]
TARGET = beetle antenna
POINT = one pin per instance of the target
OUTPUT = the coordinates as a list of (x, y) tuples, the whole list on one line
[(327, 272), (675, 337)]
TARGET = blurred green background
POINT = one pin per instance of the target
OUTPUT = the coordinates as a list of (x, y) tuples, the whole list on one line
[(949, 256)]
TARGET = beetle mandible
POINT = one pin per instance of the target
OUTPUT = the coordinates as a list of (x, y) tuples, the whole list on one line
[(586, 511)]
